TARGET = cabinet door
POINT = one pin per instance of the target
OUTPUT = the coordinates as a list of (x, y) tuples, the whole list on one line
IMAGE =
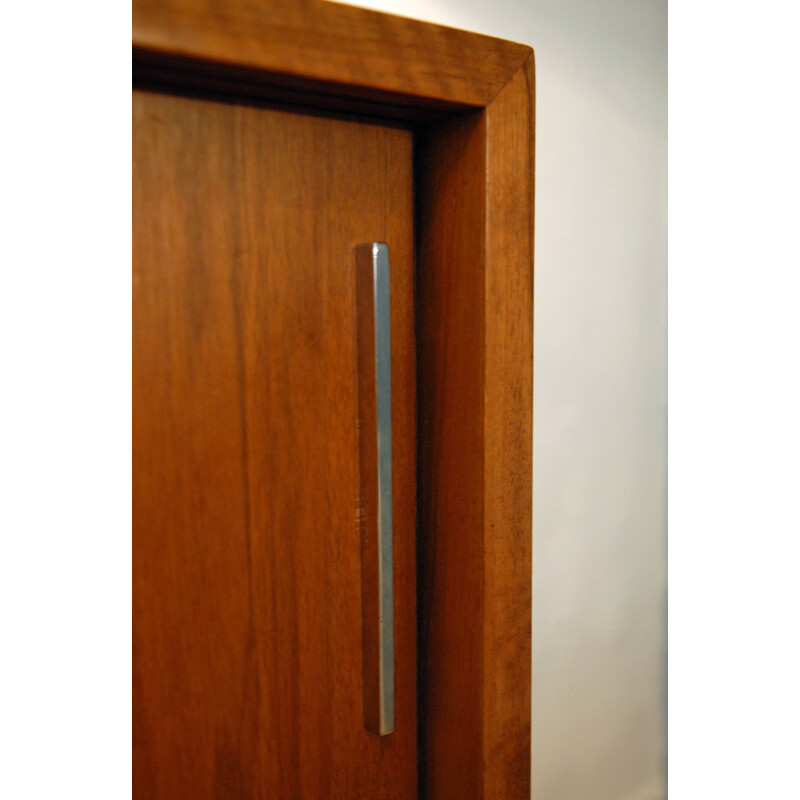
[(248, 676)]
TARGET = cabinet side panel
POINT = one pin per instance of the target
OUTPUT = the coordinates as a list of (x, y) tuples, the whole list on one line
[(475, 366), (508, 437)]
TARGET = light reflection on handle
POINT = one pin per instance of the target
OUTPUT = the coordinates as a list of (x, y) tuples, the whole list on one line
[(375, 446)]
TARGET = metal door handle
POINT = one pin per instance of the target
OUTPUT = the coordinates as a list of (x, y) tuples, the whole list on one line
[(375, 446)]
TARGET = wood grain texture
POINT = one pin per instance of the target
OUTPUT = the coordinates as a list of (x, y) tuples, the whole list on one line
[(450, 346), (475, 366), (333, 49), (508, 436), (474, 187), (247, 606)]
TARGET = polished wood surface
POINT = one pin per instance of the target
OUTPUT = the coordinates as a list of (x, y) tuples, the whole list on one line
[(247, 552), (475, 394), (327, 48)]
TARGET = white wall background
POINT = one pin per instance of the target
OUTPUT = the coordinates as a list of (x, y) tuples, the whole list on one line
[(599, 519)]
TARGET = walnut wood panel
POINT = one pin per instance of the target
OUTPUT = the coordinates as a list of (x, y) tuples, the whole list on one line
[(475, 325), (247, 604), (331, 48)]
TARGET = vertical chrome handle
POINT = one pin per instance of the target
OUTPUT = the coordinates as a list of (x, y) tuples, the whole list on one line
[(375, 447)]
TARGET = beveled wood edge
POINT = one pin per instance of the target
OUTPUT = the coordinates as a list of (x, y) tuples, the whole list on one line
[(328, 48), (508, 437)]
